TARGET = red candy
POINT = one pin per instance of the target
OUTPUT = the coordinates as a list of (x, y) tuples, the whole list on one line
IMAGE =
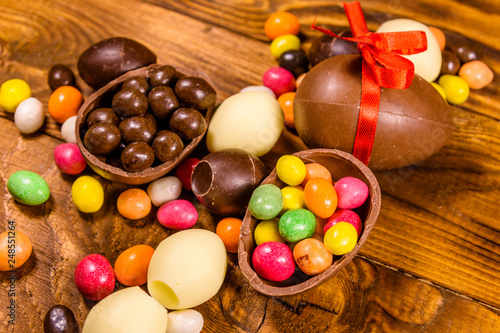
[(279, 80), (352, 192), (273, 261), (184, 171), (69, 159), (94, 277), (344, 215), (177, 214)]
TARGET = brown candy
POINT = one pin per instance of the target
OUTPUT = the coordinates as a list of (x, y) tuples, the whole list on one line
[(224, 181), (102, 138), (167, 145), (162, 101), (61, 75), (129, 102), (413, 123), (469, 52), (450, 64), (195, 92), (137, 82), (108, 59), (162, 75), (60, 319), (137, 129), (137, 156), (188, 123), (102, 115), (326, 46)]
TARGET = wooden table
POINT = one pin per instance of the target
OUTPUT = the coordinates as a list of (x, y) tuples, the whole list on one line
[(431, 263)]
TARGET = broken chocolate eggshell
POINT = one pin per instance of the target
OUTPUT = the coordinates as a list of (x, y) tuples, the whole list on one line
[(413, 123)]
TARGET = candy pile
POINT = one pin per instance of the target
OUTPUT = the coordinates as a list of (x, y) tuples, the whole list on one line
[(307, 222)]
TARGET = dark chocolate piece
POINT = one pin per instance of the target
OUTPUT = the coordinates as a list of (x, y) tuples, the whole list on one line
[(61, 75), (295, 61), (102, 115), (60, 319), (138, 129), (129, 102), (137, 156), (137, 82), (162, 101), (162, 75), (167, 145), (451, 63), (102, 138), (195, 92), (188, 123), (326, 46)]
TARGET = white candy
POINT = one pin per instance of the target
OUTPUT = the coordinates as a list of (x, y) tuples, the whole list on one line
[(129, 310), (184, 321), (187, 269), (251, 121), (427, 63), (29, 115), (68, 130), (259, 88), (164, 189)]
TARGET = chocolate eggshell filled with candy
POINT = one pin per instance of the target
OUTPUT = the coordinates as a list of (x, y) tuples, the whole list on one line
[(413, 123), (224, 181)]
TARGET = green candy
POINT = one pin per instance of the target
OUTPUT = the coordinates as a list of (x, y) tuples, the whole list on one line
[(28, 188), (297, 224), (266, 202)]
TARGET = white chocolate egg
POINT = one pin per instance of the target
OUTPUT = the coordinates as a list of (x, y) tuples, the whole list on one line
[(427, 63), (251, 121), (259, 88), (129, 310), (187, 269), (184, 321)]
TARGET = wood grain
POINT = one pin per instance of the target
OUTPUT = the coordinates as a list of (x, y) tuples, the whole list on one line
[(432, 262)]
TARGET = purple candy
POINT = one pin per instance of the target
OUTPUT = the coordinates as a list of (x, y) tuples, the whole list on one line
[(351, 192), (273, 261), (177, 214), (279, 80)]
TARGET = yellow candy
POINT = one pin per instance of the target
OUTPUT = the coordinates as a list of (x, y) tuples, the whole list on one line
[(13, 92), (284, 43), (455, 88), (293, 198), (341, 238), (87, 194), (439, 89), (267, 231), (291, 170)]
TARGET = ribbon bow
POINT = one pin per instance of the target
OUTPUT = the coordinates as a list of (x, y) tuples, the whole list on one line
[(382, 67)]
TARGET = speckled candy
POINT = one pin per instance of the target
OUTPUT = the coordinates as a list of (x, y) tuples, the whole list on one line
[(273, 261), (476, 73), (266, 202), (297, 224), (352, 192), (279, 80), (28, 188), (177, 214), (94, 277), (69, 159), (344, 215)]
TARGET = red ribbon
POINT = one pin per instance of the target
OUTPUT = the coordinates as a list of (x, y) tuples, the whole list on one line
[(382, 67)]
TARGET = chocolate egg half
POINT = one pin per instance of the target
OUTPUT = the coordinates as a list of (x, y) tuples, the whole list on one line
[(413, 123)]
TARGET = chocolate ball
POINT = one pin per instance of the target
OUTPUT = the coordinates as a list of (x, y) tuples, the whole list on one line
[(167, 145), (195, 92), (451, 63), (129, 102), (225, 180), (295, 61), (151, 118), (188, 123), (60, 319), (162, 101), (102, 138), (102, 115), (469, 52), (137, 82), (61, 75), (137, 129), (326, 46), (413, 123), (137, 156), (161, 75)]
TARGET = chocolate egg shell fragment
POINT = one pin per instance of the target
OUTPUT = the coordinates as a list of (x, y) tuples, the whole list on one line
[(224, 181), (60, 319), (108, 59), (326, 46), (188, 123), (102, 138), (413, 123), (195, 92), (61, 75)]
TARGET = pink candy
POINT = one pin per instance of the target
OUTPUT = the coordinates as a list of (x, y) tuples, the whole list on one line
[(344, 215), (279, 80), (352, 192), (177, 214), (273, 261), (69, 159)]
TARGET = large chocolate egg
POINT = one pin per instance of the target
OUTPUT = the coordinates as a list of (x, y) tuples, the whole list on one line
[(106, 60), (224, 181), (413, 123)]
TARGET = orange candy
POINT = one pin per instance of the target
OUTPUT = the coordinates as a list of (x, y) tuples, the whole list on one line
[(131, 266), (286, 102), (228, 230), (476, 73), (134, 204), (316, 170), (17, 254), (281, 23), (320, 197), (64, 103), (311, 256), (440, 37)]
